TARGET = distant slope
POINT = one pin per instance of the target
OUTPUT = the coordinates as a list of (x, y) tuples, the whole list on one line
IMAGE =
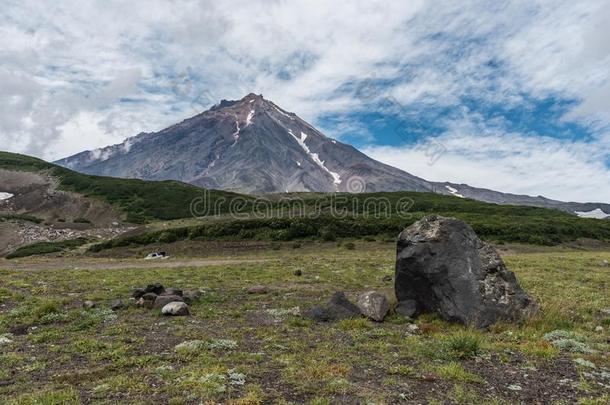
[(138, 200), (584, 210)]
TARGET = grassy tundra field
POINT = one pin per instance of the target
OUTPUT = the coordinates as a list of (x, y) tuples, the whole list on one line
[(245, 348)]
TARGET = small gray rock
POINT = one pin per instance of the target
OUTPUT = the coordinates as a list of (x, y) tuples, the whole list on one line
[(163, 300), (175, 309), (88, 304), (337, 308), (149, 297), (147, 300), (604, 263), (319, 314), (406, 308), (373, 305), (115, 305), (192, 296), (412, 329), (258, 289), (387, 278)]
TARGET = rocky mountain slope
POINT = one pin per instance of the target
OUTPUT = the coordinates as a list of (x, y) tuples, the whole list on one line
[(254, 146)]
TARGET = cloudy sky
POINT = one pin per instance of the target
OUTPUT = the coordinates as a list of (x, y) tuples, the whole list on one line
[(515, 94)]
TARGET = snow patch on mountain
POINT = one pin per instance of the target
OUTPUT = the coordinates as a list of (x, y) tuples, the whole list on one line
[(236, 133), (5, 196), (454, 191), (249, 118), (315, 157), (596, 214)]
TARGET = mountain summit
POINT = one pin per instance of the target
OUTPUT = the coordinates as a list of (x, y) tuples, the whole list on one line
[(253, 146)]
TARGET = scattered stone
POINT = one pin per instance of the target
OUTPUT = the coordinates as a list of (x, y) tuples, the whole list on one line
[(147, 300), (515, 387), (605, 311), (149, 296), (406, 309), (443, 267), (604, 263), (337, 308), (138, 293), (175, 309), (116, 305), (18, 330), (258, 289), (89, 304), (154, 288), (173, 291), (412, 329), (163, 300), (599, 329), (298, 273), (373, 305), (192, 296), (387, 278)]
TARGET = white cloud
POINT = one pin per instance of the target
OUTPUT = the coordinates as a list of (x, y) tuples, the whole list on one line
[(513, 163), (66, 67)]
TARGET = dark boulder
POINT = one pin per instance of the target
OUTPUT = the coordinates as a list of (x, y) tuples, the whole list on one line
[(138, 293), (337, 308), (155, 288), (163, 300), (443, 267), (116, 305)]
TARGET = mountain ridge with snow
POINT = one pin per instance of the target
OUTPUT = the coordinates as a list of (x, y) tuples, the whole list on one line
[(254, 146)]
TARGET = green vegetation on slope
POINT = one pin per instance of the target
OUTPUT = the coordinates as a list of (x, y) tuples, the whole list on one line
[(41, 248), (19, 217), (308, 215), (142, 201), (550, 230)]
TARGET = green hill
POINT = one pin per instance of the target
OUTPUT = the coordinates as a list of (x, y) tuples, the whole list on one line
[(142, 201), (378, 215), (306, 215)]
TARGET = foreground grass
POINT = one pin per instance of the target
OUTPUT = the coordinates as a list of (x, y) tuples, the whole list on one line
[(249, 349)]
